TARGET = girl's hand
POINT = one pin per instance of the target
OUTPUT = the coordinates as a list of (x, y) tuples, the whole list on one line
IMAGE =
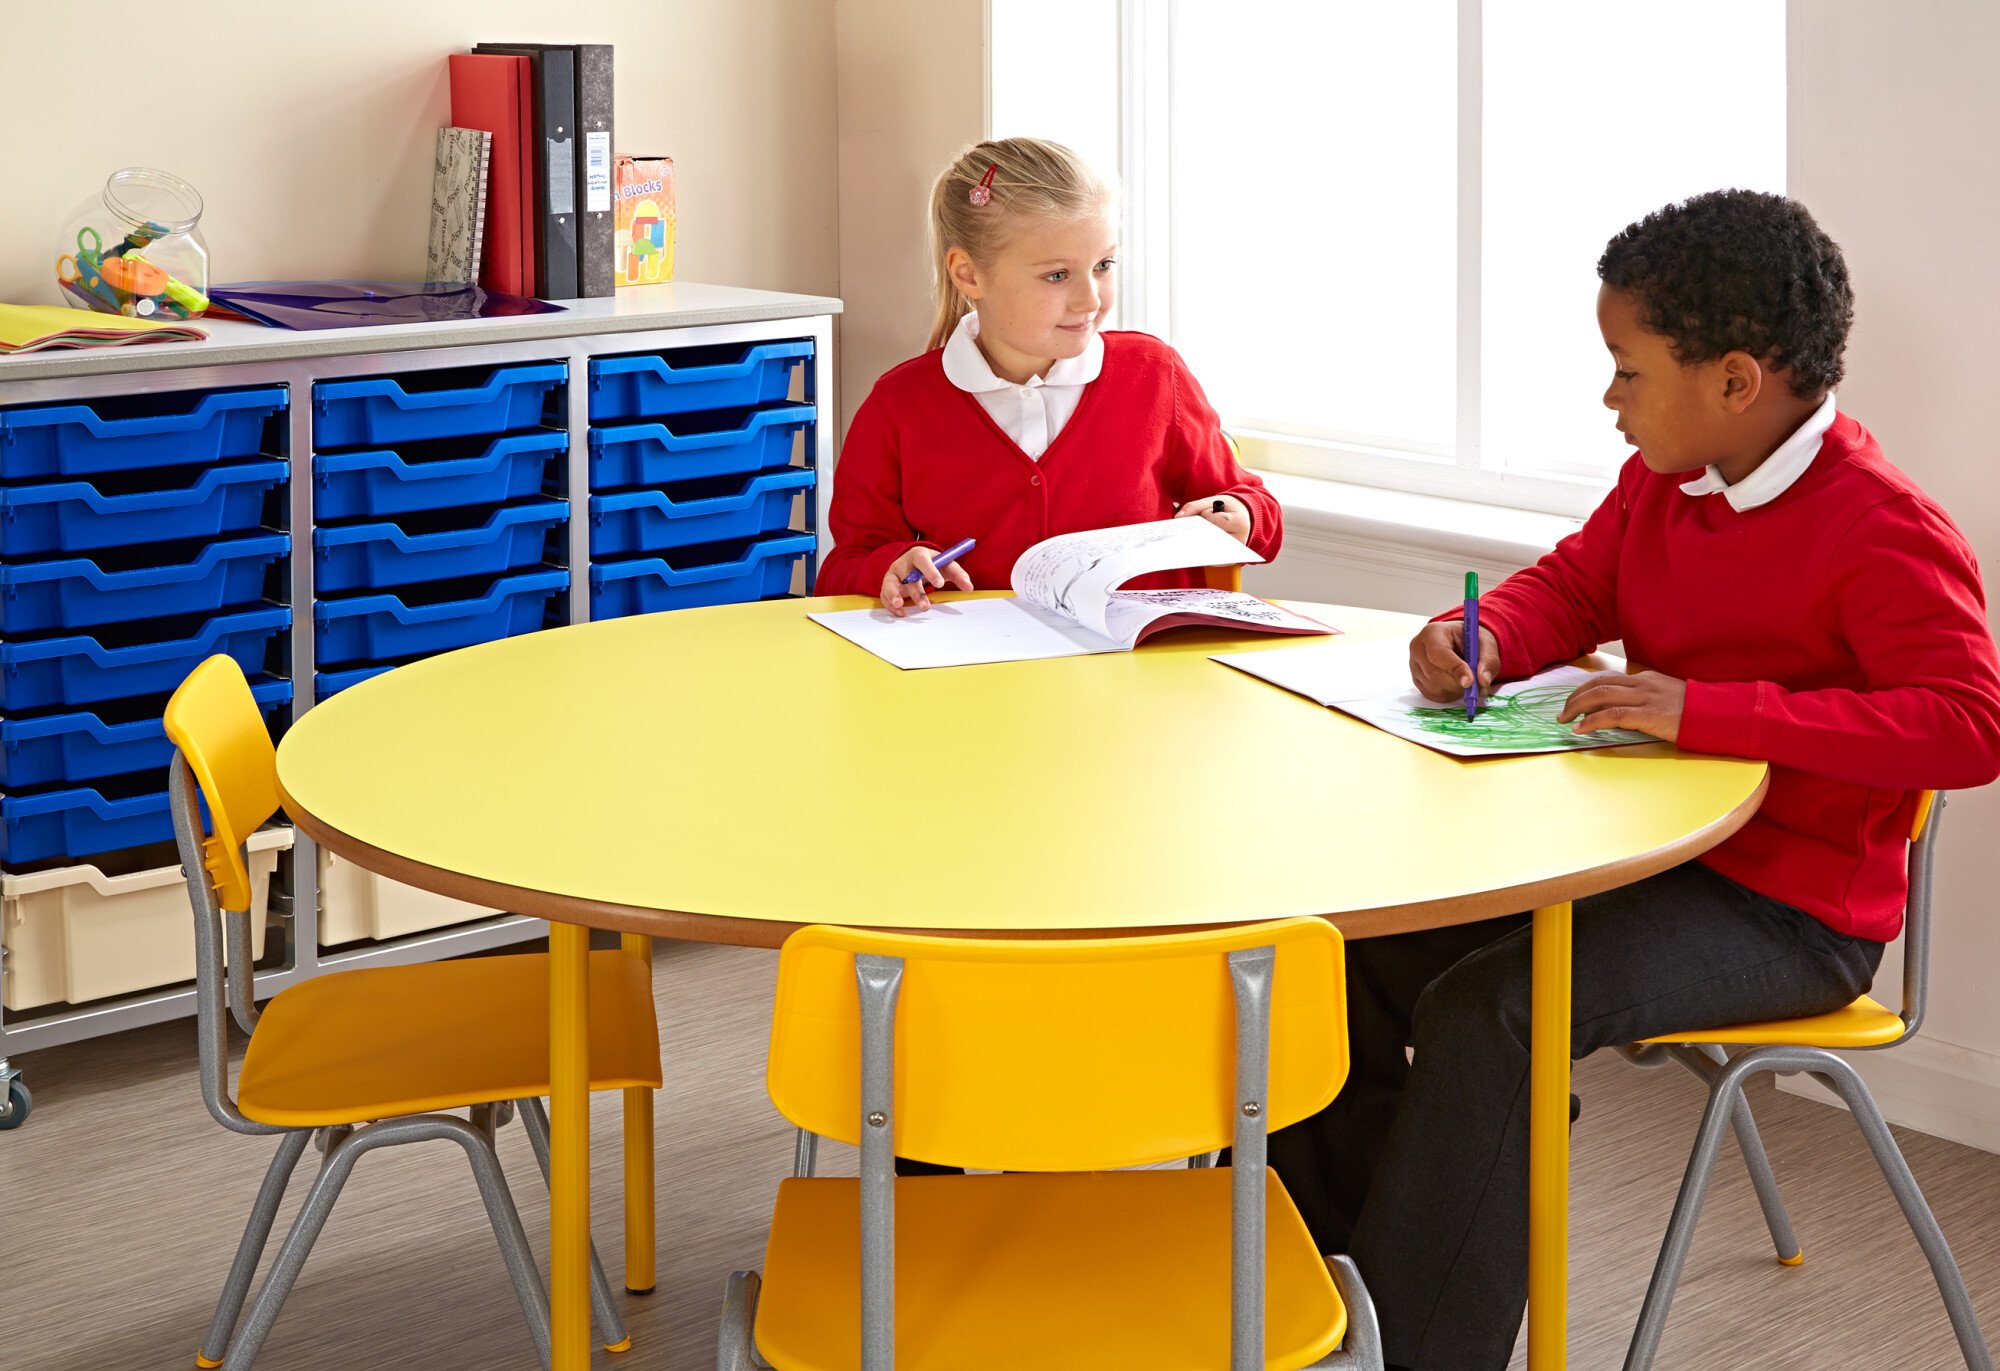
[(900, 599), (1437, 661), (1226, 512), (1646, 701)]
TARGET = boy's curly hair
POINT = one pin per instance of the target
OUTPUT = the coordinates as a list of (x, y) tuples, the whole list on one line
[(1739, 270)]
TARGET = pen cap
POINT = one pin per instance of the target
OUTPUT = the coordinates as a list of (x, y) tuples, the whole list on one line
[(1471, 585)]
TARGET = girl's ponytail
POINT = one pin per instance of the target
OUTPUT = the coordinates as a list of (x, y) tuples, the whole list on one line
[(1020, 177)]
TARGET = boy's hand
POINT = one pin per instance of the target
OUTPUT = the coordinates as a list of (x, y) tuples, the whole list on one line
[(1437, 661), (1226, 512), (1646, 701), (900, 599)]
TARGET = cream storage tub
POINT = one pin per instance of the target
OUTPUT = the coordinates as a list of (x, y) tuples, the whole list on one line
[(74, 934), (356, 904)]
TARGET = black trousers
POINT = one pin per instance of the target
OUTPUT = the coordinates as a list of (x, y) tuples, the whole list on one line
[(1419, 1168)]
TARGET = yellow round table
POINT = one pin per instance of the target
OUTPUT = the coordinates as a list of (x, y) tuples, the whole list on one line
[(726, 775)]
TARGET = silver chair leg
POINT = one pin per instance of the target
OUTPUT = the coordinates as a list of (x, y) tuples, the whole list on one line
[(1722, 1095), (1361, 1348), (263, 1213), (736, 1346), (339, 1164), (610, 1325), (805, 1154), (1840, 1078), (1706, 1061)]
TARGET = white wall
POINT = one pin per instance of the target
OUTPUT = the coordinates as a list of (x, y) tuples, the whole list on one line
[(308, 128), (912, 93), (1894, 117)]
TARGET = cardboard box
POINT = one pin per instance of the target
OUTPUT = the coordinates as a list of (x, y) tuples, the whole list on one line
[(644, 187)]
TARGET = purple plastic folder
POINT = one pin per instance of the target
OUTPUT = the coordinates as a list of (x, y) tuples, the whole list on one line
[(315, 305)]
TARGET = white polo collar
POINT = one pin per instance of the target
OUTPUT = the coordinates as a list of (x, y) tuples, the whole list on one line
[(1776, 473), (966, 367)]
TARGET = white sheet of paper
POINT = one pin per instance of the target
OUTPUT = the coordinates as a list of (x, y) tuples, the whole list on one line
[(1371, 681), (963, 633)]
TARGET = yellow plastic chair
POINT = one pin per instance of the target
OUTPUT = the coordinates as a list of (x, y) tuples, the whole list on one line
[(366, 1058), (1785, 1046), (1052, 1062)]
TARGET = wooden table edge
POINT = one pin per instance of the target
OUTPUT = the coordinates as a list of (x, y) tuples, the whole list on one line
[(739, 931)]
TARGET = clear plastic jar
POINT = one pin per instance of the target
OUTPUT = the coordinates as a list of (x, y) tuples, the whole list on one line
[(136, 249)]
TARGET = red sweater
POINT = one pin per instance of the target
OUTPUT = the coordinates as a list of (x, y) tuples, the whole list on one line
[(1838, 633), (925, 463)]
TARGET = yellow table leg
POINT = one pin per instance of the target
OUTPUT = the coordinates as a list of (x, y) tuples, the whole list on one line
[(569, 1163), (639, 1245), (1548, 1143)]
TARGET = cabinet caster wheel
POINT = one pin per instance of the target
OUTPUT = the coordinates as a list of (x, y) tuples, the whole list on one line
[(14, 1112)]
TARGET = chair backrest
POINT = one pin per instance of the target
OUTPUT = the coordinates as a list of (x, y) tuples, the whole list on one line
[(215, 723), (224, 757), (1065, 1054), (1924, 827)]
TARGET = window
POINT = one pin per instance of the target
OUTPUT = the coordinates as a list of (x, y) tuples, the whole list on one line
[(1373, 230)]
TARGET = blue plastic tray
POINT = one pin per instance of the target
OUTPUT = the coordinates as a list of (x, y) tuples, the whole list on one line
[(694, 447), (57, 673), (371, 627), (682, 380), (80, 822), (81, 439), (327, 684), (380, 410), (371, 484), (643, 521), (757, 571), (378, 556), (76, 516), (67, 748), (41, 597)]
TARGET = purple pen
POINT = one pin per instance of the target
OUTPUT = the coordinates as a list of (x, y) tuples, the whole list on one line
[(1472, 643), (942, 560)]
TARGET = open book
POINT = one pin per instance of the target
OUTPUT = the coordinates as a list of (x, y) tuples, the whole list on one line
[(1371, 681), (1067, 603)]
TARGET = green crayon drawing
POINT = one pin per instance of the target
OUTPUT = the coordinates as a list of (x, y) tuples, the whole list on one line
[(1513, 722)]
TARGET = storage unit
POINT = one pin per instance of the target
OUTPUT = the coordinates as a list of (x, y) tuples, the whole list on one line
[(77, 935), (698, 460), (436, 403), (83, 516), (84, 744), (82, 592), (450, 474), (693, 447), (357, 904), (689, 379), (714, 574), (324, 506), (636, 522)]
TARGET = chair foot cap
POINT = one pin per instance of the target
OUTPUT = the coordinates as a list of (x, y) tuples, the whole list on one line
[(204, 1363), (1797, 1258), (625, 1346), (647, 1291)]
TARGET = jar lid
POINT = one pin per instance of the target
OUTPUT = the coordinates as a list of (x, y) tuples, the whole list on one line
[(141, 195)]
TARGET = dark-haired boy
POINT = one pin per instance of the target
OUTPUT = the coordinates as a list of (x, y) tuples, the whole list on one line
[(1797, 600)]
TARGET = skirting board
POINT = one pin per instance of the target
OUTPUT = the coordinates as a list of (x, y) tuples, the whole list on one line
[(1934, 1087)]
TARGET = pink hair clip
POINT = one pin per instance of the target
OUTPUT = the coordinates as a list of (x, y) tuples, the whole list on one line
[(983, 192)]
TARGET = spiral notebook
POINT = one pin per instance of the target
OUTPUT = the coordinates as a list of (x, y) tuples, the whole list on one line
[(458, 204)]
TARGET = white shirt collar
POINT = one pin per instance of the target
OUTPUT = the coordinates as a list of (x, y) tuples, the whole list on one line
[(1775, 475), (966, 367)]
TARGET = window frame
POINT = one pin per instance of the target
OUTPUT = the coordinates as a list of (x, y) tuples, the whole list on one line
[(1147, 273)]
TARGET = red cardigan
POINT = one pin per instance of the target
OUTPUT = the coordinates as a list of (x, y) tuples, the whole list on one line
[(925, 463), (1838, 633)]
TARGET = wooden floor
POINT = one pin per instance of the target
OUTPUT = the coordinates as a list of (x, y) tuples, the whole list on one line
[(121, 1203)]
